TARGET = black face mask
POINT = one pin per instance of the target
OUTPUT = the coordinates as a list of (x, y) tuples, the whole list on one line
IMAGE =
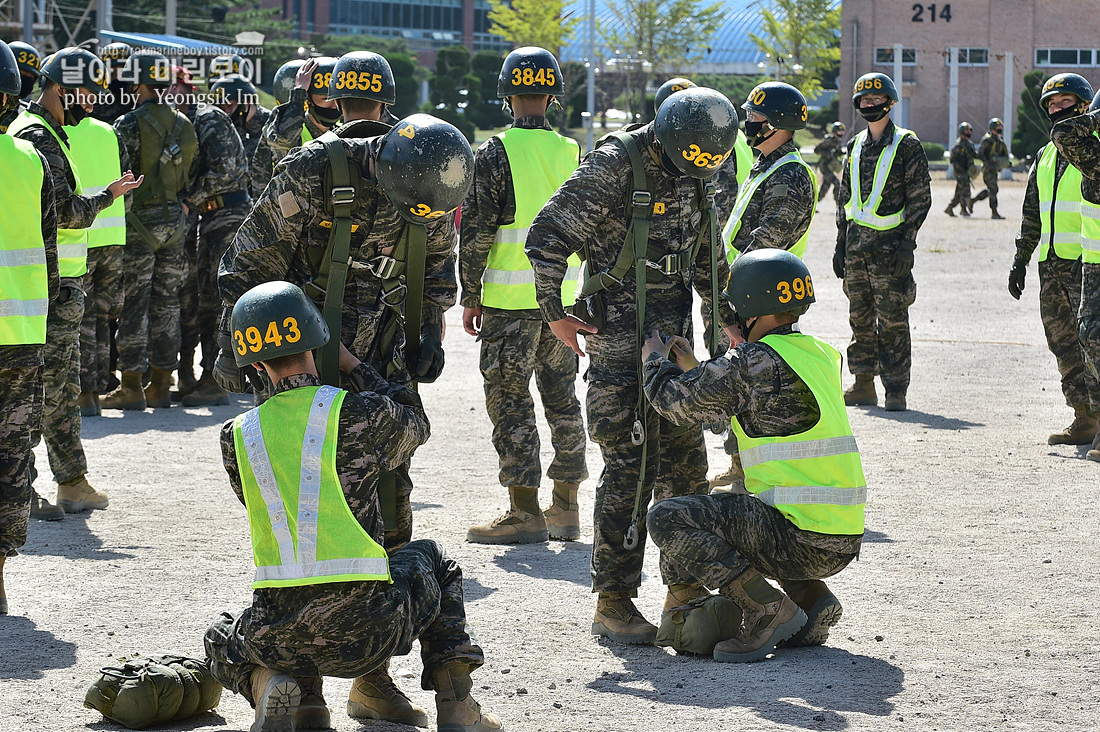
[(240, 114), (26, 86), (670, 167), (324, 115), (1061, 114), (875, 113), (74, 113), (753, 130)]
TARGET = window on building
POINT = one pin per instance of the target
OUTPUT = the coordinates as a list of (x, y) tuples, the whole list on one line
[(1066, 56), (969, 57), (884, 56)]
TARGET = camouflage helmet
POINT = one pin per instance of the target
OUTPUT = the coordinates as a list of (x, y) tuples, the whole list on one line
[(697, 128), (116, 54), (425, 167), (669, 88), (781, 104), (873, 83), (836, 127), (768, 281), (27, 57), (362, 75), (10, 83), (228, 64), (530, 70), (233, 89), (284, 79), (275, 319), (321, 80), (1065, 84), (965, 127), (76, 67)]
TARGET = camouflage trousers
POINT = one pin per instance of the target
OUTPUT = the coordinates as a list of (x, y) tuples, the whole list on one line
[(675, 465), (1088, 319), (962, 191), (61, 386), (992, 185), (189, 293), (512, 348), (215, 235), (149, 329), (20, 418), (1059, 302), (349, 629), (716, 538), (878, 311), (103, 300), (827, 179)]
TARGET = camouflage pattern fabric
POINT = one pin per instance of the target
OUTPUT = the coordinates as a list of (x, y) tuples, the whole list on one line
[(103, 299), (117, 101), (189, 290), (991, 147), (251, 131), (780, 210), (725, 188), (281, 135), (962, 157), (20, 421), (10, 111), (830, 148), (220, 165)]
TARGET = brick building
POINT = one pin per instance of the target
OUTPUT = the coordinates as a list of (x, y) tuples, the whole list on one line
[(1052, 35)]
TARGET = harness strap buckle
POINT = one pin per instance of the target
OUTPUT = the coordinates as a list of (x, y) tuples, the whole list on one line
[(669, 264), (641, 199), (382, 266), (341, 196), (395, 296)]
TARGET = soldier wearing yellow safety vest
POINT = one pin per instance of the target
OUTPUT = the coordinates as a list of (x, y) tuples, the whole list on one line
[(1052, 221), (799, 515), (28, 282), (327, 601), (885, 194), (73, 78), (515, 174)]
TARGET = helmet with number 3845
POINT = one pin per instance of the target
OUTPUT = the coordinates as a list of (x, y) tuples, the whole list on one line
[(425, 167), (781, 104), (873, 83), (275, 319), (362, 75), (530, 70), (767, 282), (697, 128)]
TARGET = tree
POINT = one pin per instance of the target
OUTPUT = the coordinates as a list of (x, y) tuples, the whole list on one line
[(802, 41), (488, 113), (532, 23), (454, 88), (1032, 125)]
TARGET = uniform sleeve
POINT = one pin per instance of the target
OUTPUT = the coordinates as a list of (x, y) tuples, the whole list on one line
[(49, 230), (702, 282), (844, 192), (713, 391), (1076, 139), (786, 210), (481, 217), (124, 165), (1030, 226), (283, 131), (440, 281), (985, 149), (220, 165), (229, 460), (918, 189), (74, 211), (725, 188), (393, 426)]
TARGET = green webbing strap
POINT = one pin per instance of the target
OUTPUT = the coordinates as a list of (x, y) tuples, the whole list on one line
[(710, 226), (144, 194), (342, 196), (414, 298)]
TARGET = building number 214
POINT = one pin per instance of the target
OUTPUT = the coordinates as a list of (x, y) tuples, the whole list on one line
[(919, 11)]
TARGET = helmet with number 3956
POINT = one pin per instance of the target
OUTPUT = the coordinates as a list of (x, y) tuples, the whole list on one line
[(275, 319), (530, 70), (873, 83)]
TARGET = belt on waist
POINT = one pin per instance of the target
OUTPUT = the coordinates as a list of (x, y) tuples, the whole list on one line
[(226, 199)]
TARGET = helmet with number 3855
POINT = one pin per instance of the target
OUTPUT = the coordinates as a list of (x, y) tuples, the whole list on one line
[(425, 167), (781, 104), (873, 83), (530, 70), (362, 75), (767, 282), (697, 128), (275, 319)]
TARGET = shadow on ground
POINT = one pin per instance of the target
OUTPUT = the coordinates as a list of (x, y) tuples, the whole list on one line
[(29, 651), (71, 538), (925, 419)]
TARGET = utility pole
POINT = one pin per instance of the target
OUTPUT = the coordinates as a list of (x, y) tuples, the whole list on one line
[(900, 84), (170, 17), (953, 95), (1008, 102), (104, 21), (28, 21)]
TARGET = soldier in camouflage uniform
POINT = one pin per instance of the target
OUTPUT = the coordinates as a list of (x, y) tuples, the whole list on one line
[(875, 242), (830, 153), (1053, 182), (21, 360), (796, 520), (504, 315), (29, 62), (962, 158), (241, 102), (117, 100), (994, 154), (347, 621), (592, 211)]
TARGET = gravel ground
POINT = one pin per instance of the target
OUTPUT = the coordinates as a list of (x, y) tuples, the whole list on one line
[(968, 610)]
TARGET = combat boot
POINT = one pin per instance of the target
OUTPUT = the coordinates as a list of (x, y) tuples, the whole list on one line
[(185, 376), (206, 394), (1080, 432), (522, 523), (769, 617), (679, 595), (862, 392), (822, 610), (950, 211), (89, 404), (895, 401), (44, 510), (375, 696), (312, 711), (965, 210), (996, 215), (563, 517), (731, 476), (456, 710), (276, 697), (617, 618), (982, 195), (74, 496), (1094, 453), (156, 394), (129, 394)]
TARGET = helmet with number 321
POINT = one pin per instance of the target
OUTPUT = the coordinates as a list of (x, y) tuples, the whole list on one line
[(275, 319), (697, 128), (530, 70), (362, 75), (781, 104), (874, 83), (425, 167), (767, 282)]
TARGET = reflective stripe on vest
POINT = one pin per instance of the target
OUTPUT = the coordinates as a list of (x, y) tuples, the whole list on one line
[(1090, 232), (744, 155), (1059, 211), (24, 281), (324, 542), (863, 212), (540, 161), (814, 478), (72, 244), (745, 194), (95, 151)]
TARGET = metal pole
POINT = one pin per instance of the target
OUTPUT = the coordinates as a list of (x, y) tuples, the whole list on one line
[(28, 21), (953, 94), (902, 117), (170, 17), (104, 22), (1008, 101), (591, 73)]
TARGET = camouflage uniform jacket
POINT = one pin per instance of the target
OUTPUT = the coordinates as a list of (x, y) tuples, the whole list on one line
[(381, 425), (780, 211), (992, 146), (220, 165), (251, 131), (1031, 225), (1077, 142), (121, 102), (281, 134), (287, 223), (908, 186), (10, 111), (829, 149), (129, 133), (592, 211), (490, 204)]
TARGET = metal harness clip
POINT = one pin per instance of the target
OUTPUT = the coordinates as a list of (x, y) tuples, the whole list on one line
[(669, 264), (630, 541), (637, 433), (342, 196)]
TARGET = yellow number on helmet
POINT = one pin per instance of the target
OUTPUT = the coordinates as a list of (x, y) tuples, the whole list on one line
[(528, 77), (517, 76), (252, 335), (241, 347), (551, 80), (804, 112), (759, 96), (407, 131), (809, 287), (540, 76), (799, 288), (878, 83), (272, 335), (291, 324), (376, 83), (784, 292), (691, 153)]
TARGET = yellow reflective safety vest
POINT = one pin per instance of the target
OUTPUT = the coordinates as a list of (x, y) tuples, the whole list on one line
[(303, 532), (24, 281), (1059, 210), (814, 478), (540, 161), (1090, 232), (743, 153), (745, 194), (95, 151), (306, 136), (865, 213), (72, 244)]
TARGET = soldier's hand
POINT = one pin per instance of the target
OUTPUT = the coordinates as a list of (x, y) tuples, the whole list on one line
[(125, 184), (1016, 279), (305, 74), (839, 260), (229, 376), (655, 343), (566, 330), (903, 261), (682, 354), (430, 364), (471, 320)]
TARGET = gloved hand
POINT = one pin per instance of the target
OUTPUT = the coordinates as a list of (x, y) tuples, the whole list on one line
[(430, 365), (1016, 278), (838, 259), (903, 261), (229, 376)]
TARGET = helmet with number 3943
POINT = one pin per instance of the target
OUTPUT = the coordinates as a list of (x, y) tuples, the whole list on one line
[(425, 167), (767, 282), (781, 104), (697, 128), (275, 319), (530, 70)]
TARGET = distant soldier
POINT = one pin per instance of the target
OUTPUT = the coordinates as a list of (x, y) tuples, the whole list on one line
[(237, 97), (962, 161), (30, 64), (830, 158), (260, 163), (994, 154)]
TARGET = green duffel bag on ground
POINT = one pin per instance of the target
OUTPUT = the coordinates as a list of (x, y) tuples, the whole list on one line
[(153, 690), (700, 625)]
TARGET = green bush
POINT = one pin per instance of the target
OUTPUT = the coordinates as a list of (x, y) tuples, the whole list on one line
[(933, 151)]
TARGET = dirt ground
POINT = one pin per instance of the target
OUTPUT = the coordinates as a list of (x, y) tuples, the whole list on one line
[(971, 607)]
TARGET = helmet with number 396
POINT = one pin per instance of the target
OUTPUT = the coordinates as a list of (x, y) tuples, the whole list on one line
[(362, 75), (781, 104), (530, 70), (275, 319), (697, 128), (425, 167), (767, 282), (873, 83)]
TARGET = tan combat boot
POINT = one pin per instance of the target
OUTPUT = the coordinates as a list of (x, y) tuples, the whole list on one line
[(1080, 431), (206, 394), (522, 523), (950, 211), (617, 618), (563, 517), (895, 401), (822, 610), (129, 395), (456, 710), (1094, 453), (312, 711), (375, 696), (769, 617), (862, 392), (157, 393), (276, 697), (679, 595), (731, 476), (89, 404), (74, 496), (44, 510)]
